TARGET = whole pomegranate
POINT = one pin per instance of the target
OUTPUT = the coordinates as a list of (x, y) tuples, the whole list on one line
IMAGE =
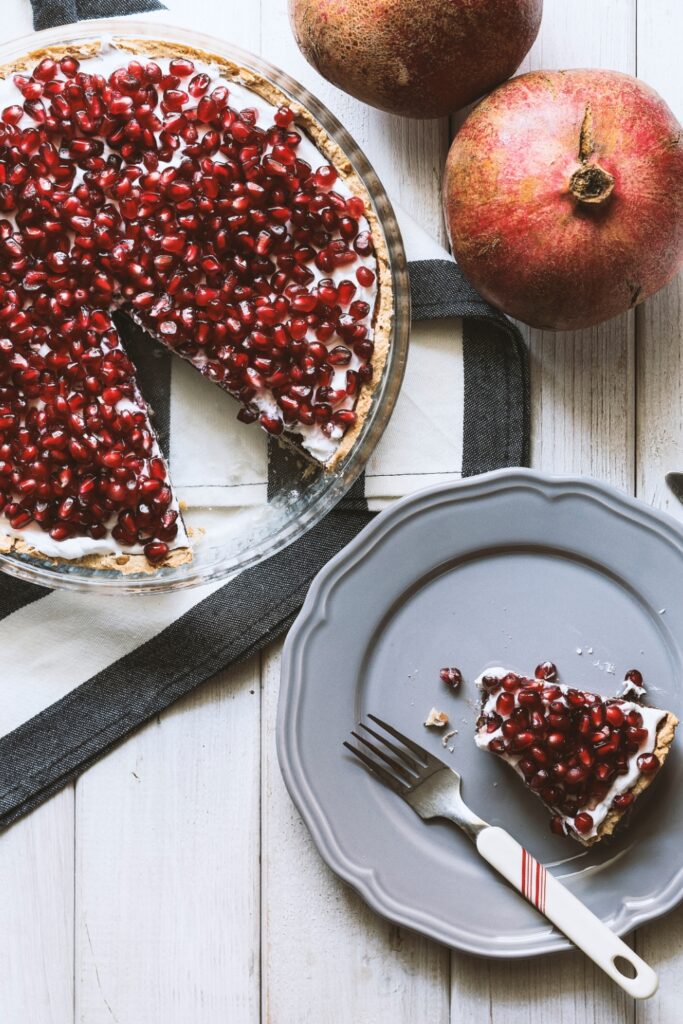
[(422, 58), (563, 196)]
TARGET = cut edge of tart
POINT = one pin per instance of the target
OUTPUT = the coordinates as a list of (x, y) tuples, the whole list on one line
[(133, 559), (598, 810)]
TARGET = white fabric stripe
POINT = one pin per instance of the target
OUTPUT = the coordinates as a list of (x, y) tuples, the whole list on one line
[(425, 433), (53, 645)]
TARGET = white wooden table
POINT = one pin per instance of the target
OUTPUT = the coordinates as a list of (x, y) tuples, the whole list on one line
[(175, 883)]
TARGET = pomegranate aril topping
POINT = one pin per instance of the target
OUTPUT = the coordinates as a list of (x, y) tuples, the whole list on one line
[(254, 219), (451, 676), (614, 715), (583, 822), (181, 67), (634, 676), (557, 825), (648, 763), (156, 551), (522, 740), (12, 114), (505, 703), (365, 277), (46, 70)]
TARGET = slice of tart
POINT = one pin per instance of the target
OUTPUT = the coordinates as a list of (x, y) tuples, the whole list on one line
[(197, 197), (587, 757)]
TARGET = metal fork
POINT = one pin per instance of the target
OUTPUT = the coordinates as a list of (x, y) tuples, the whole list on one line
[(432, 789)]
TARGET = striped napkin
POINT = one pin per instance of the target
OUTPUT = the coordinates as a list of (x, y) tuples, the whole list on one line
[(80, 671)]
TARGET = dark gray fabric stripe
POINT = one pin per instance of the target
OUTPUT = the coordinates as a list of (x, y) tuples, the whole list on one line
[(496, 418), (48, 13), (438, 290), (15, 594), (52, 748)]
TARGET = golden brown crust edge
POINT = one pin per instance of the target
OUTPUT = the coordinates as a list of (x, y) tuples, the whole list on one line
[(123, 562), (665, 736), (382, 322)]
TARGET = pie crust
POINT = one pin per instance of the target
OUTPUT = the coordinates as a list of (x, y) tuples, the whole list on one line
[(662, 723)]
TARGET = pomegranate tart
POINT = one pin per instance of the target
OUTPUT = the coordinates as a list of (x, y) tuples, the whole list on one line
[(587, 757), (193, 194)]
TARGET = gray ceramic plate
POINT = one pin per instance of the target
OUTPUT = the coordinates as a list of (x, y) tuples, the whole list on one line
[(509, 568)]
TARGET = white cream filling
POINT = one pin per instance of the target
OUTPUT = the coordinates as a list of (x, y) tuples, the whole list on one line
[(651, 720), (314, 440)]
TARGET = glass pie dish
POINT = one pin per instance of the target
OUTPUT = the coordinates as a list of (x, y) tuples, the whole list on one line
[(243, 496)]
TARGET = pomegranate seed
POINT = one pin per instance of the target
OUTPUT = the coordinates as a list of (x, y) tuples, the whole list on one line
[(648, 763), (325, 176), (511, 682), (69, 65), (121, 106), (539, 755), (623, 800), (546, 670), (614, 715), (199, 84), (505, 703), (522, 740), (345, 292), (365, 277), (181, 67), (155, 551), (272, 424), (12, 114), (46, 70), (583, 822), (451, 676), (557, 826), (490, 683)]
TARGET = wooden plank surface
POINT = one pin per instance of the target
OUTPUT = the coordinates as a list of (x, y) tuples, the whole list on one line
[(167, 875), (37, 862), (583, 421), (659, 438), (149, 902)]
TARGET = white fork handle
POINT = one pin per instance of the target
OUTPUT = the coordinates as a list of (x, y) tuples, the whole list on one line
[(566, 912)]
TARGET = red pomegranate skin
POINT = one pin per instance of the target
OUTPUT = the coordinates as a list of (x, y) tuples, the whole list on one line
[(420, 58), (563, 196)]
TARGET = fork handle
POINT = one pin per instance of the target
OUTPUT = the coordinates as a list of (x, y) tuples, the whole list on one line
[(565, 911)]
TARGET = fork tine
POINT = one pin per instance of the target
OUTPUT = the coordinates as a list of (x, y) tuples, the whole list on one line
[(395, 766), (403, 754), (419, 751), (387, 778)]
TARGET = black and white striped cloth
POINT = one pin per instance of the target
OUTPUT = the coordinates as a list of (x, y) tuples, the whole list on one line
[(80, 671)]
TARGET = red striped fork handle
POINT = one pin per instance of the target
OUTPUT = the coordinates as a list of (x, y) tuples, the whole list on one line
[(566, 912)]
